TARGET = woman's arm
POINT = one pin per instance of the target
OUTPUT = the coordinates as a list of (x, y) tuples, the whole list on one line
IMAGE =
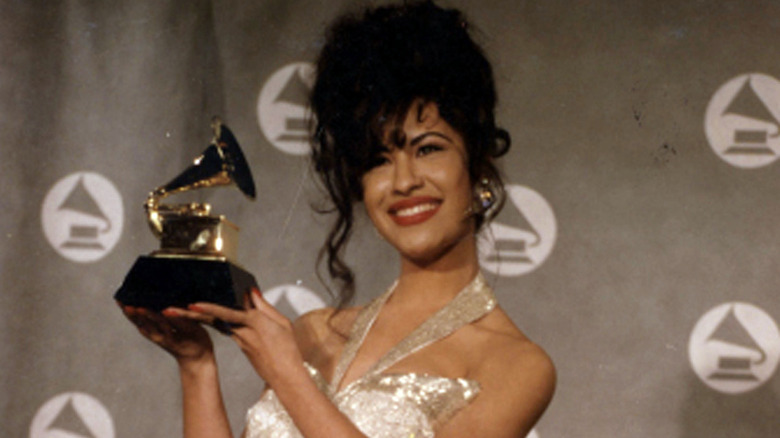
[(268, 340), (517, 383), (188, 342), (312, 412), (204, 412)]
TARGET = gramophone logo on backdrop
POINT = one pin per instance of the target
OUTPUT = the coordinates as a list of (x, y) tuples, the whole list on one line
[(82, 216), (735, 348), (742, 121), (525, 237), (282, 108), (72, 415), (293, 300)]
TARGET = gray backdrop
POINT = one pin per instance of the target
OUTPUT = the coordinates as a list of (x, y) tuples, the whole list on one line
[(651, 279)]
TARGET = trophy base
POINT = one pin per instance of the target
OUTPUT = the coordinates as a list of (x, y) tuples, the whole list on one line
[(156, 283)]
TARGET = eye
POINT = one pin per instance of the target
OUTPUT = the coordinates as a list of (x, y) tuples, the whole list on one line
[(428, 149)]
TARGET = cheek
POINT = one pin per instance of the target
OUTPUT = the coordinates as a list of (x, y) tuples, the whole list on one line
[(464, 193), (455, 179), (369, 188), (372, 193)]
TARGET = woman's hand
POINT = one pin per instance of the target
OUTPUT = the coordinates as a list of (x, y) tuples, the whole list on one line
[(177, 331), (264, 335)]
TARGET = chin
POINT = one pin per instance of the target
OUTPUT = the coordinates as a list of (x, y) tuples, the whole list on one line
[(422, 259), (427, 243), (427, 253)]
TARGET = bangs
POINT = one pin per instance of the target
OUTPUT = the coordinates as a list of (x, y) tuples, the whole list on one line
[(383, 131)]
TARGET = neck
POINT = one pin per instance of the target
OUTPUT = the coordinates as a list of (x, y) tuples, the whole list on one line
[(435, 283)]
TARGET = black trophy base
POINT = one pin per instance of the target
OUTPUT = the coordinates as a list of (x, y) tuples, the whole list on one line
[(156, 283)]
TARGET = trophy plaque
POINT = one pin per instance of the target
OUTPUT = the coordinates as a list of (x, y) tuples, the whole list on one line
[(196, 261)]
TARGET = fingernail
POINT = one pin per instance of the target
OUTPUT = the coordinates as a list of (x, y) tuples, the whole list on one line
[(170, 312), (257, 292), (195, 308)]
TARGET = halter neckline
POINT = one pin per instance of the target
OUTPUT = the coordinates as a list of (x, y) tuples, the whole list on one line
[(471, 303)]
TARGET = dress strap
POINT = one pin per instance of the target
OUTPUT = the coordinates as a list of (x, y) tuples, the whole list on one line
[(472, 302), (363, 322)]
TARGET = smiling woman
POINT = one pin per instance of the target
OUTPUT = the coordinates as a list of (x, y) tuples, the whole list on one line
[(418, 196), (404, 102), (371, 73)]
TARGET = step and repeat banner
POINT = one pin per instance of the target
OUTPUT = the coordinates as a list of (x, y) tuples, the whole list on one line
[(638, 245)]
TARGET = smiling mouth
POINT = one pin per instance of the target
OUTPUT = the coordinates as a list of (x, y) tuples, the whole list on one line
[(417, 209), (409, 214)]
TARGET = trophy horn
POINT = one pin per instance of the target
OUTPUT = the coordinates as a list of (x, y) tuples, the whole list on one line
[(222, 163)]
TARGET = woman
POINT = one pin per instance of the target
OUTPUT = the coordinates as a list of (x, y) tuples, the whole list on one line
[(404, 102)]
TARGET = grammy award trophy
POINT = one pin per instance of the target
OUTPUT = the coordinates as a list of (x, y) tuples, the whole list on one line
[(196, 261)]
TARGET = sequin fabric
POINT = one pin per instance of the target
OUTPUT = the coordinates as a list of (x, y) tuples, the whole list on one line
[(389, 405)]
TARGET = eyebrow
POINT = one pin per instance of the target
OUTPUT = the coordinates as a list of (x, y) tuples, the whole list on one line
[(422, 137)]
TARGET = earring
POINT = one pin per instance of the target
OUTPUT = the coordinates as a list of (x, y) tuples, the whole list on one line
[(485, 196), (488, 195)]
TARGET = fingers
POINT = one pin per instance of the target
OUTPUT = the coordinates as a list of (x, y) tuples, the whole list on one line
[(252, 301), (259, 303), (257, 299), (200, 313), (168, 321), (136, 315), (151, 324), (130, 313), (184, 314), (173, 320), (209, 312), (255, 316), (159, 324)]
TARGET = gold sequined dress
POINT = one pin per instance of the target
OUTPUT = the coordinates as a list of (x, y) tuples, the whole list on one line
[(389, 405)]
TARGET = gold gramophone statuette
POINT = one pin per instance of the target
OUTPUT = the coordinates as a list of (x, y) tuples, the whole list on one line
[(197, 256)]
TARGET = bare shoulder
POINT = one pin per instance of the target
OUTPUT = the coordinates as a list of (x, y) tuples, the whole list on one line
[(516, 378), (510, 359), (520, 364)]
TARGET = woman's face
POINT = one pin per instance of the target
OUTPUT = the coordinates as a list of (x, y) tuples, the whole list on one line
[(419, 193)]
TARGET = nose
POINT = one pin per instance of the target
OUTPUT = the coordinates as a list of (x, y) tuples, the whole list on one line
[(406, 177)]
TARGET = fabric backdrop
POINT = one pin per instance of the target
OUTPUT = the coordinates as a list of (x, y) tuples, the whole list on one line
[(636, 247)]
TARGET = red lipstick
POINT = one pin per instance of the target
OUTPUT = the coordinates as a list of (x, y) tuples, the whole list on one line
[(412, 211)]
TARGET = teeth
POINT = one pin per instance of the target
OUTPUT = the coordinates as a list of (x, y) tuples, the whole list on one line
[(417, 209)]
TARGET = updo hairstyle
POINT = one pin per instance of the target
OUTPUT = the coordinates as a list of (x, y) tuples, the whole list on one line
[(371, 70)]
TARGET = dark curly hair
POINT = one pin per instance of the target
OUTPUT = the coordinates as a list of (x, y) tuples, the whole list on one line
[(371, 70)]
